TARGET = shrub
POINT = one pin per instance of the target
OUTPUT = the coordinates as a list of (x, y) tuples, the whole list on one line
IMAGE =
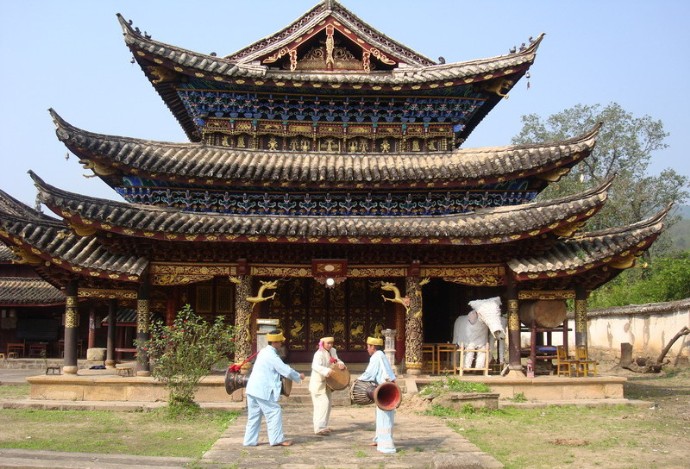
[(184, 352)]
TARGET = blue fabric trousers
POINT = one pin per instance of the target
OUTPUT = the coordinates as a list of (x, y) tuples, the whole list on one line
[(384, 430), (257, 407)]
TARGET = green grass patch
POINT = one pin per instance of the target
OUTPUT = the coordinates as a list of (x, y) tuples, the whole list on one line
[(14, 391), (558, 436), (451, 384), (153, 433)]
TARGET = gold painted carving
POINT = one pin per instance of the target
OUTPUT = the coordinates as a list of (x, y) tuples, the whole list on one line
[(496, 86), (376, 272), (580, 316), (103, 293), (546, 295), (624, 263), (71, 312), (397, 298), (414, 327), (554, 175), (25, 257), (82, 230), (330, 44), (279, 271), (184, 274), (143, 316), (161, 74), (260, 298), (243, 313), (477, 280), (568, 230), (513, 315)]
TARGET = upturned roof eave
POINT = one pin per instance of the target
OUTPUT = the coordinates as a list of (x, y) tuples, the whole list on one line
[(456, 168), (221, 68), (490, 226), (588, 251), (50, 245)]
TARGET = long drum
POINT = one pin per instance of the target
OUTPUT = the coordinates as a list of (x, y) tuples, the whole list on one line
[(362, 392), (235, 381), (338, 379)]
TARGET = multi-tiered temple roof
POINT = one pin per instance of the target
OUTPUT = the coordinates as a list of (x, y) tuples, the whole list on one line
[(325, 140)]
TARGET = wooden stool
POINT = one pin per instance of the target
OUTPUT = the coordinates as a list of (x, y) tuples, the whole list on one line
[(2, 356), (12, 355), (125, 371), (54, 370)]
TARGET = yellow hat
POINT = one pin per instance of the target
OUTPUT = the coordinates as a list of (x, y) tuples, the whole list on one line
[(374, 341), (327, 339), (279, 337)]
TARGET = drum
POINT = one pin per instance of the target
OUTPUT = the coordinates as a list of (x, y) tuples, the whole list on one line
[(234, 381), (285, 386), (362, 392), (338, 379)]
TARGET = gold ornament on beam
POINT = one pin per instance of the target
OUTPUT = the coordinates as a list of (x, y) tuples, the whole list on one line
[(259, 298), (624, 262), (82, 230), (25, 257)]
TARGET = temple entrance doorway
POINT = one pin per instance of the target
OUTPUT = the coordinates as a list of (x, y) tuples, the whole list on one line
[(349, 311)]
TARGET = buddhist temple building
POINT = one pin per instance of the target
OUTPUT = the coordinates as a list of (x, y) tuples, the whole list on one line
[(325, 185)]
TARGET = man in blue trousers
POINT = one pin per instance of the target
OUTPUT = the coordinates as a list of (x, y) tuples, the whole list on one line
[(263, 393)]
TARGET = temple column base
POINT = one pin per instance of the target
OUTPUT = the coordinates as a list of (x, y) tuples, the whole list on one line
[(413, 369), (70, 370), (110, 364), (143, 373), (516, 373)]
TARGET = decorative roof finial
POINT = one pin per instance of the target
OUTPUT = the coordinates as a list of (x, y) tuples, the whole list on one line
[(329, 4)]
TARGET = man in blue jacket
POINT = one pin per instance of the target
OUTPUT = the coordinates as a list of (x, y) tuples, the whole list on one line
[(379, 371), (263, 393)]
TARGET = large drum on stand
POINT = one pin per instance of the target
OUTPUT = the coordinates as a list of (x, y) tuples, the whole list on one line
[(338, 379)]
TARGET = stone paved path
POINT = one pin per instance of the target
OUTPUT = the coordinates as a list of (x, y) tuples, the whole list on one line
[(422, 442)]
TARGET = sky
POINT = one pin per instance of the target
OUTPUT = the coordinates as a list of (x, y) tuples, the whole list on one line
[(70, 55)]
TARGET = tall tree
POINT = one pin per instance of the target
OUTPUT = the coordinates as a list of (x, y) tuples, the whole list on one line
[(624, 148)]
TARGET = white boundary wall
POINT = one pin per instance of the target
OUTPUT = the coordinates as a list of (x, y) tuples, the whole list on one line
[(649, 328)]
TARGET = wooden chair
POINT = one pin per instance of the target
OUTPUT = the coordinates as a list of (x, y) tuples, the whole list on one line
[(429, 358), (15, 350), (564, 364), (583, 363), (446, 357)]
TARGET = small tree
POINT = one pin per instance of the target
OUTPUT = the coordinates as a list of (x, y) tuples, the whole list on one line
[(186, 351)]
